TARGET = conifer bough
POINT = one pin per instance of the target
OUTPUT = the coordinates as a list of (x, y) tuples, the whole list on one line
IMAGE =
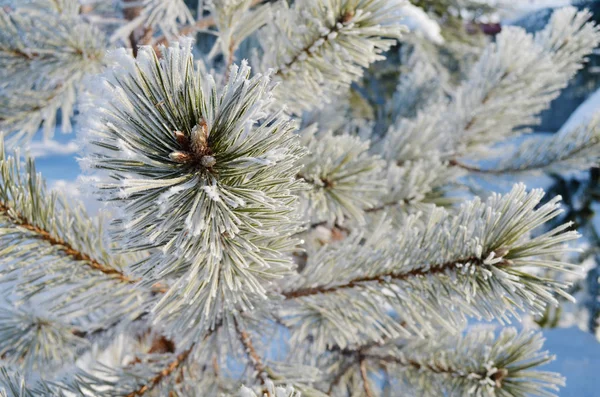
[(265, 239)]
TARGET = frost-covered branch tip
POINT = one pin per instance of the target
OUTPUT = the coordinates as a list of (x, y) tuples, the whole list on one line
[(478, 364), (318, 47), (166, 15), (473, 263), (515, 78), (271, 391), (54, 259), (519, 75), (44, 54), (343, 178), (205, 173), (575, 148)]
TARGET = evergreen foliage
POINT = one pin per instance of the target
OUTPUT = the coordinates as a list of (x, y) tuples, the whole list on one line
[(266, 238)]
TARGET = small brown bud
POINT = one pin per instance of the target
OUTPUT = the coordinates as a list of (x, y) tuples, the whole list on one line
[(348, 15), (200, 137), (180, 157), (182, 139), (499, 376)]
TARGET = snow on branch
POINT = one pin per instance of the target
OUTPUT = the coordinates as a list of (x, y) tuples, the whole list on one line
[(43, 58), (576, 148), (271, 391), (29, 338), (515, 78), (475, 263), (518, 76), (235, 22), (477, 364), (54, 256), (167, 15), (204, 173), (318, 47), (344, 178)]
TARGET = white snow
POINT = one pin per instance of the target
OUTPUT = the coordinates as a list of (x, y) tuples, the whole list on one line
[(512, 10), (584, 114), (420, 23)]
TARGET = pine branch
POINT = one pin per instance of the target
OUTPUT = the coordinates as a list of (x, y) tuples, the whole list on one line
[(338, 377), (428, 275), (150, 15), (54, 259), (480, 362), (572, 149), (172, 366), (35, 340), (130, 13), (515, 78), (270, 391), (19, 220), (200, 24), (308, 50), (337, 40), (343, 178), (44, 54), (223, 155), (390, 277), (553, 55)]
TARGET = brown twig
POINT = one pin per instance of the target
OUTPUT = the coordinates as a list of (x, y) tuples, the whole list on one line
[(339, 376), (131, 13), (141, 35), (437, 368), (379, 278), (470, 168), (252, 354), (171, 367), (230, 58), (342, 19), (390, 204), (365, 377), (62, 245)]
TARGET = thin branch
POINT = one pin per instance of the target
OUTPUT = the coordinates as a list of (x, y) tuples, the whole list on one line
[(252, 354), (171, 367), (230, 58), (306, 53), (497, 377), (339, 376), (356, 355), (379, 278), (63, 246), (131, 13), (485, 100), (365, 377), (530, 167), (201, 24), (390, 204)]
